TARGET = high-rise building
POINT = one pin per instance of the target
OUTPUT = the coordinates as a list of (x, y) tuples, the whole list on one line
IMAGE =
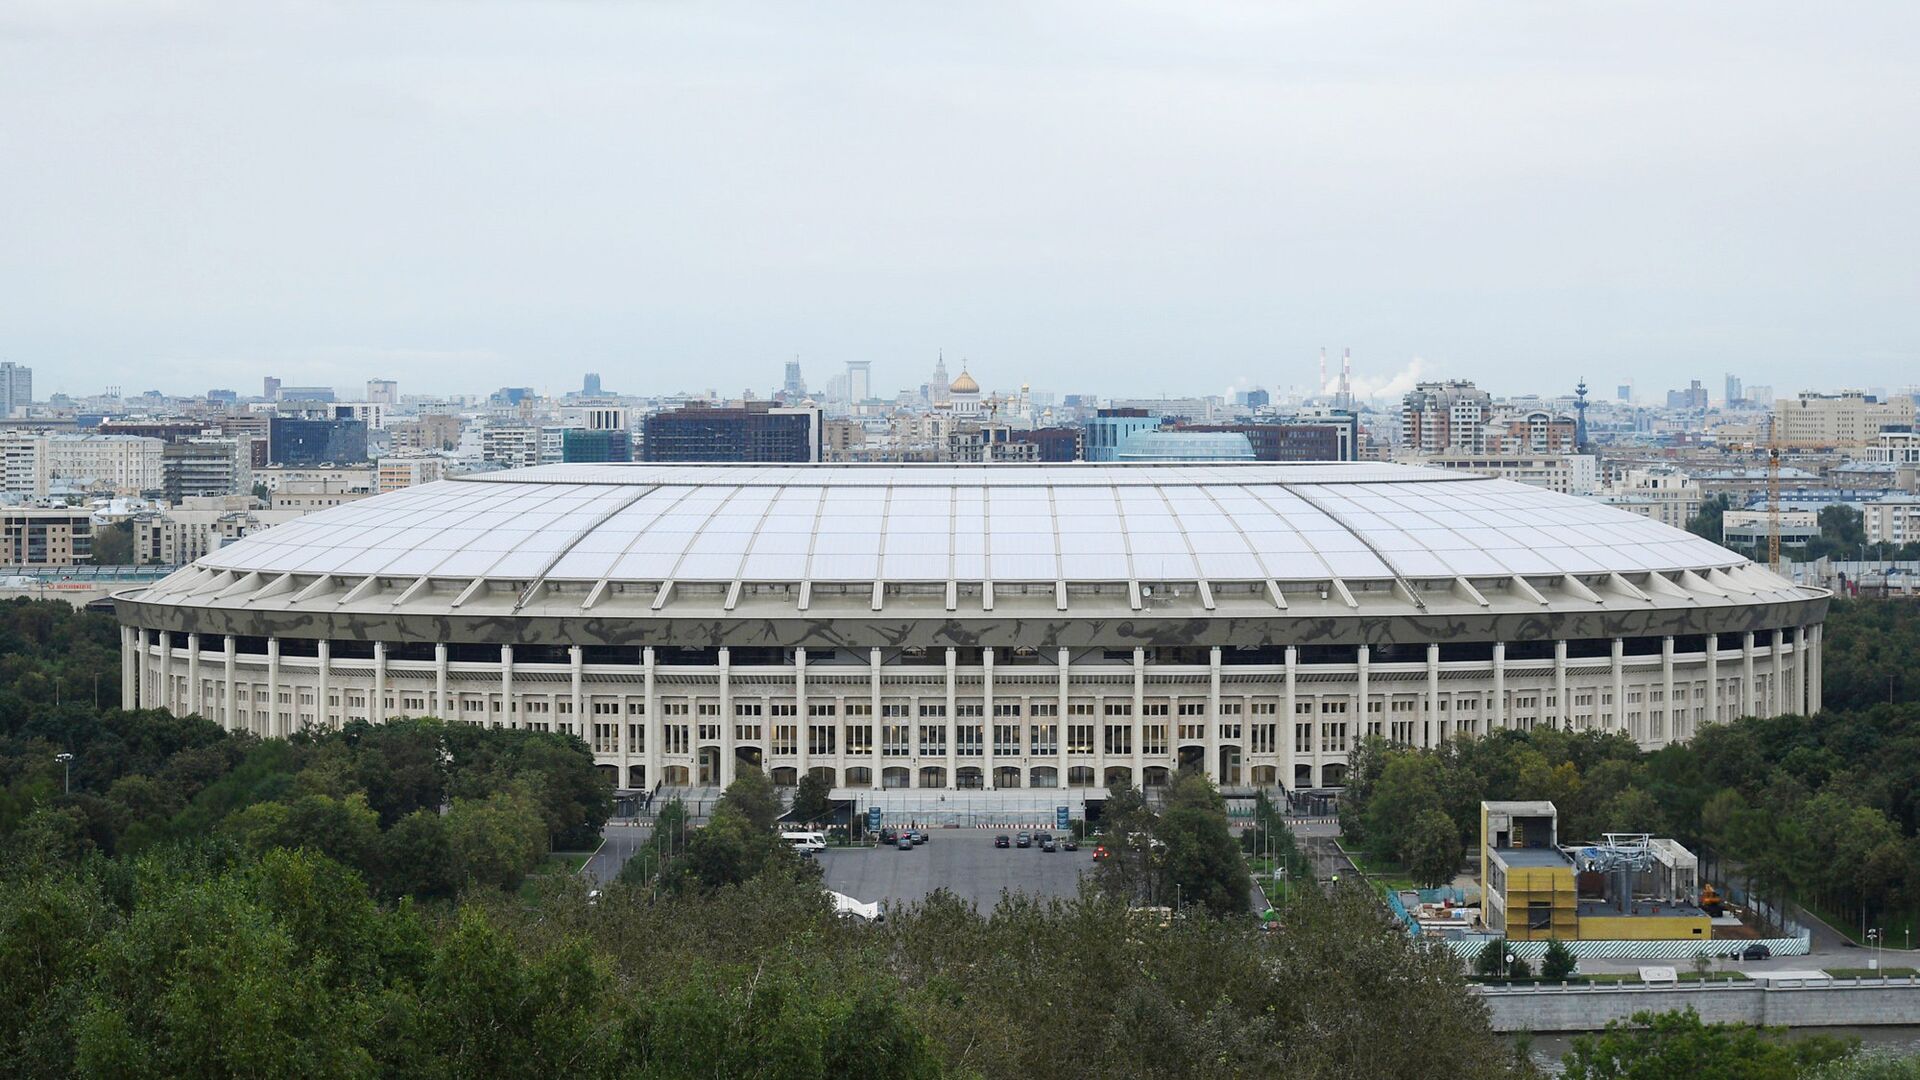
[(1440, 416), (383, 392), (859, 381), (270, 388), (201, 467), (794, 386), (294, 441), (590, 386), (121, 464), (1734, 396), (755, 431), (306, 393), (16, 387)]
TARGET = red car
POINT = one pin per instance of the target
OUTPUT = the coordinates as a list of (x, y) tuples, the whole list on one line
[(1100, 852)]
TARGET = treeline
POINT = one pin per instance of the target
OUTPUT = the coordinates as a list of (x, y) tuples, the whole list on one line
[(1822, 810)]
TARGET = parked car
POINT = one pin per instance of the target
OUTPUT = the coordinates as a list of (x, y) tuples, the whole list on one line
[(1049, 845), (917, 836), (1756, 952), (1070, 844), (1002, 841), (1023, 840), (905, 843)]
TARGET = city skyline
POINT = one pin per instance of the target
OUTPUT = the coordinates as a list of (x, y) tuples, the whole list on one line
[(1174, 199)]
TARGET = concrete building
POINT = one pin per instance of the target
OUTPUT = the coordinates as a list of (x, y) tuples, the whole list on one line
[(1892, 520), (1568, 474), (45, 536), (295, 442), (197, 527), (385, 392), (1674, 496), (1437, 417), (307, 496), (204, 467), (1749, 528), (1109, 429), (991, 628), (16, 388), (116, 464), (1849, 418), (408, 470)]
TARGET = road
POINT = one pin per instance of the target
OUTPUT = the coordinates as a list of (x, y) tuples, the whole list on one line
[(962, 861), (619, 844)]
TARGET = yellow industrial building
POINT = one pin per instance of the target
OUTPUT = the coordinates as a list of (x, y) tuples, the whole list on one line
[(1634, 888)]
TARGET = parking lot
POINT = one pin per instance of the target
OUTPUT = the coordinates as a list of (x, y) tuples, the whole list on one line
[(962, 861)]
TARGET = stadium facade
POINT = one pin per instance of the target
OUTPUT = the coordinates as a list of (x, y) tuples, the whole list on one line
[(983, 627)]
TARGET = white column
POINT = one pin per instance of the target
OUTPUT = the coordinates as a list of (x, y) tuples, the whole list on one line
[(1666, 695), (726, 717), (1779, 673), (1746, 675), (1285, 728), (1438, 729), (1139, 717), (803, 724), (576, 658), (1800, 671), (1359, 729), (1815, 683), (987, 721), (440, 682), (167, 700), (953, 724), (507, 715), (1620, 688), (193, 675), (1500, 718), (1713, 678), (1560, 683), (322, 711), (130, 644), (652, 722), (377, 702), (274, 721), (232, 720), (1060, 721), (1213, 716), (879, 722)]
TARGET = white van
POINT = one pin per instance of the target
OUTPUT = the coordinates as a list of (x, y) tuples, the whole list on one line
[(806, 842)]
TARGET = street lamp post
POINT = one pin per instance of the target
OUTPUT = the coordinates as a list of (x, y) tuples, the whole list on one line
[(66, 768)]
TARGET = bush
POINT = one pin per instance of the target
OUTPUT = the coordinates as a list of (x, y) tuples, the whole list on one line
[(1558, 963)]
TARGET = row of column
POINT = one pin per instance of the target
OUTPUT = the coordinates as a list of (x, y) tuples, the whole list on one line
[(137, 658)]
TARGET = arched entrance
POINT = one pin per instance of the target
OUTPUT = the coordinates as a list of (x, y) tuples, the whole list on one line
[(969, 776), (1302, 777), (1157, 776), (677, 776), (1080, 776), (1117, 774), (609, 774), (1043, 776), (859, 776), (1193, 757), (1230, 765), (636, 776), (1006, 776), (933, 776), (1266, 775), (823, 772), (895, 776), (1334, 775), (707, 766), (785, 776)]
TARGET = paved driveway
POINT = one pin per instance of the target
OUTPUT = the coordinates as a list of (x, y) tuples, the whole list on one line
[(963, 861)]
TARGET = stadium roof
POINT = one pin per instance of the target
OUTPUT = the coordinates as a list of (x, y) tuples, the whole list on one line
[(1300, 541)]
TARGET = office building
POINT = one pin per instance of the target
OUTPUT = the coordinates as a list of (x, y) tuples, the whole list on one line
[(45, 536), (753, 432), (296, 442), (1109, 429), (16, 388), (1846, 419), (596, 446), (383, 392)]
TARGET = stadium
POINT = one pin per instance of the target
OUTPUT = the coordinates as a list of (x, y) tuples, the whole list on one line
[(977, 628)]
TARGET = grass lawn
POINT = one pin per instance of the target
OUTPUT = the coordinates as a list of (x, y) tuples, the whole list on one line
[(564, 862), (1865, 973), (1390, 876), (1898, 927)]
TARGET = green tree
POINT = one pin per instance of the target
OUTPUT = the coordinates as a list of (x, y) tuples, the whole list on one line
[(1200, 863), (752, 794), (1558, 963), (1432, 849), (113, 544), (496, 840), (1710, 521), (811, 800), (1656, 1046)]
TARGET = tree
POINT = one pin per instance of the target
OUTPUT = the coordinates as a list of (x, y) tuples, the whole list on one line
[(1710, 521), (1408, 787), (113, 544), (752, 794), (810, 800), (1558, 963), (1656, 1046), (1200, 864), (496, 840), (1432, 849)]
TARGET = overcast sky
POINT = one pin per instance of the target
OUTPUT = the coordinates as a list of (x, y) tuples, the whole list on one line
[(1124, 198)]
